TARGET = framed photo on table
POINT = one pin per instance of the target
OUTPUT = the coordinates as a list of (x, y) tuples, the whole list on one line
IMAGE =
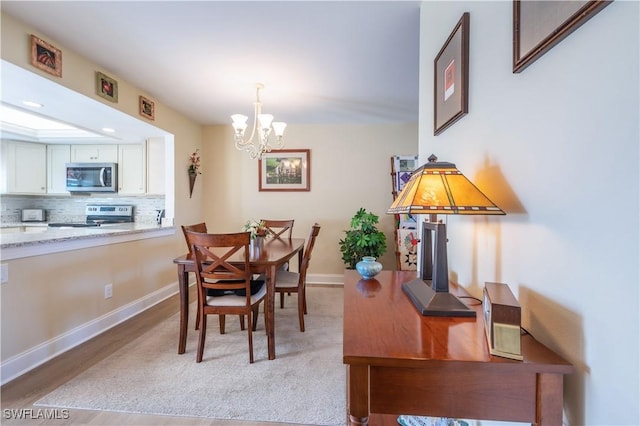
[(285, 170), (540, 25), (451, 78), (45, 56)]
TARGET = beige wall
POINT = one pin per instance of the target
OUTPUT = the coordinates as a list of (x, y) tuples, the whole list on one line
[(350, 168), (48, 296), (52, 296)]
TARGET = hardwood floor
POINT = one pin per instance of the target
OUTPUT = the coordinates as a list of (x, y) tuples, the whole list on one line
[(17, 397)]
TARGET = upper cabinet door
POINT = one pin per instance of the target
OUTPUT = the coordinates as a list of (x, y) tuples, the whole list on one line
[(132, 171), (24, 167), (57, 158), (155, 166), (94, 153)]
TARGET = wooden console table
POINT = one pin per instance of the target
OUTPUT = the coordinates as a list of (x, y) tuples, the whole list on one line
[(400, 362)]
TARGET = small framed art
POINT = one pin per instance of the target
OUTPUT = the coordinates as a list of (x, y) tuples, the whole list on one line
[(106, 87), (147, 108), (540, 25), (285, 170), (45, 56), (451, 78)]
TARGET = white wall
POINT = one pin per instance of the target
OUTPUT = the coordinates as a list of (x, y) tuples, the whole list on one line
[(556, 146)]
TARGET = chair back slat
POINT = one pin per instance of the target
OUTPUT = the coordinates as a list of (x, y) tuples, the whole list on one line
[(315, 230), (212, 252), (197, 227), (277, 228)]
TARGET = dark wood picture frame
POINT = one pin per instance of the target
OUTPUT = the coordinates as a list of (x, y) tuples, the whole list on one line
[(540, 25), (146, 108), (106, 87), (451, 78), (285, 170), (45, 56)]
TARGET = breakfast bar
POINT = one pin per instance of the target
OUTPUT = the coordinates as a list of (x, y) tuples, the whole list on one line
[(44, 240)]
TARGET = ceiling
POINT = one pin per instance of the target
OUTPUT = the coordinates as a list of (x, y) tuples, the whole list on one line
[(323, 62)]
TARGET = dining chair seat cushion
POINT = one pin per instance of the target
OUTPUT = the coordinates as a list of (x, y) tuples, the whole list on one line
[(285, 279), (235, 300)]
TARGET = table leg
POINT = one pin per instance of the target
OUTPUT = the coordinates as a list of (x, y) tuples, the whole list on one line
[(549, 399), (183, 279), (269, 310), (358, 395)]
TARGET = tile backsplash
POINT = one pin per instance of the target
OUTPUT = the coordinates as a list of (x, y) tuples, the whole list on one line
[(72, 208)]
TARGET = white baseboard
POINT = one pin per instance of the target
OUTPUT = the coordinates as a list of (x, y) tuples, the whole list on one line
[(32, 358), (326, 279)]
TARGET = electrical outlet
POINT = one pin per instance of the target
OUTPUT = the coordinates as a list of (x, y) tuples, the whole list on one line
[(4, 273), (108, 291)]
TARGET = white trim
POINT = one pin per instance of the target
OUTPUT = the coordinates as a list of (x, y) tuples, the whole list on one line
[(326, 279), (38, 355)]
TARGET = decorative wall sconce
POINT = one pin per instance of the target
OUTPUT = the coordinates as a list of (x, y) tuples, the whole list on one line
[(194, 169)]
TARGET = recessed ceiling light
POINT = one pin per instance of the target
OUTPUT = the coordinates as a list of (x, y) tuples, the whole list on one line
[(108, 129), (32, 104)]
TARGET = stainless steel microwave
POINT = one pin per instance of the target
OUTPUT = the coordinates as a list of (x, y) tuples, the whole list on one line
[(92, 177)]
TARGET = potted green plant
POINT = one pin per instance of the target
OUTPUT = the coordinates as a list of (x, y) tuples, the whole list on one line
[(363, 239)]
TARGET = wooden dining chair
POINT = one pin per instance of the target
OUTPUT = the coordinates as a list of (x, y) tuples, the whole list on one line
[(278, 228), (202, 228), (295, 282), (214, 271)]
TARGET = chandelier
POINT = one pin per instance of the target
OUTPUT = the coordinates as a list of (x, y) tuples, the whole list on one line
[(262, 125)]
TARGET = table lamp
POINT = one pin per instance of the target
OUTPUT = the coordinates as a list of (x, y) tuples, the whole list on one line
[(438, 188)]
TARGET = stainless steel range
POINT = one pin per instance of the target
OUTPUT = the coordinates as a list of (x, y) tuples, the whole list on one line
[(101, 215)]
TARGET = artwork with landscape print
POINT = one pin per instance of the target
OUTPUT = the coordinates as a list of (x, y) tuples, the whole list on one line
[(45, 56), (285, 170)]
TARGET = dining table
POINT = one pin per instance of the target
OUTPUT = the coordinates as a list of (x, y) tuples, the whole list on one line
[(264, 258)]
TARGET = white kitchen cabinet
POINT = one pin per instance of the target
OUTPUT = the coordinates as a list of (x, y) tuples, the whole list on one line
[(24, 167), (57, 158), (94, 153), (132, 170), (155, 166)]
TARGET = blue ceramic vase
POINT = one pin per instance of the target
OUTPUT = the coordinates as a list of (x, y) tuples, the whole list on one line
[(368, 267)]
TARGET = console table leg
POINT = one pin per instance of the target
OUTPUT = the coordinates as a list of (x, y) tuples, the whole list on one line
[(358, 394), (549, 399)]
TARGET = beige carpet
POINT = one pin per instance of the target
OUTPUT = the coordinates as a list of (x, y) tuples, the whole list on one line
[(304, 385)]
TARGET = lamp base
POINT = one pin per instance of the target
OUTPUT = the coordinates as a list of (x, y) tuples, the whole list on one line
[(434, 303)]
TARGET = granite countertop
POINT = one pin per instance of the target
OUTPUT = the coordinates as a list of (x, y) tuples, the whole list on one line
[(56, 235)]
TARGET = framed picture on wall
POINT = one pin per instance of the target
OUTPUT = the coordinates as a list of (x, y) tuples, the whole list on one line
[(285, 170), (540, 25), (106, 87), (451, 78), (45, 56), (147, 108)]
